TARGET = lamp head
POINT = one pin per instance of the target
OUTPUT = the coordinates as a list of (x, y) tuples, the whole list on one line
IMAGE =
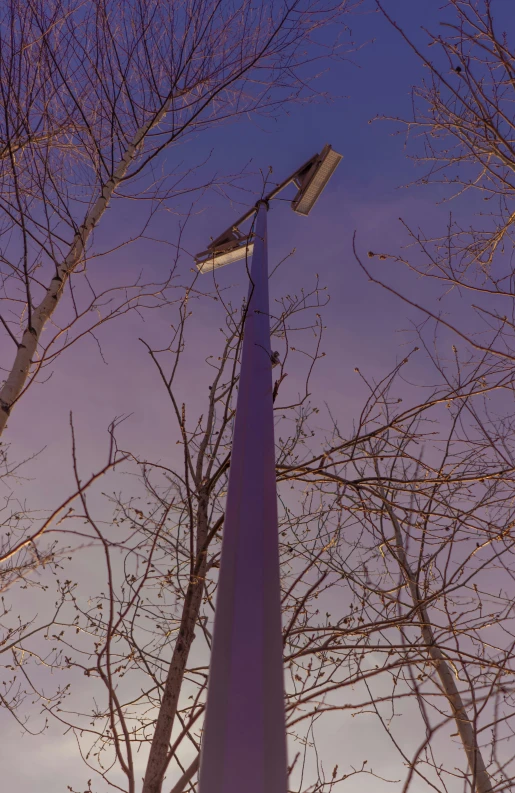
[(228, 248), (313, 178)]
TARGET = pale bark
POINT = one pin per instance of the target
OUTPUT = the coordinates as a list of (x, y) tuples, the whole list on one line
[(27, 349), (464, 726)]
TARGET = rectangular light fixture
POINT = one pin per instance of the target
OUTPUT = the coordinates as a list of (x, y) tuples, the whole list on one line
[(211, 260), (313, 180)]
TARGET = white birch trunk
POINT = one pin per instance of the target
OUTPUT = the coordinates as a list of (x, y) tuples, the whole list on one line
[(464, 726), (15, 382)]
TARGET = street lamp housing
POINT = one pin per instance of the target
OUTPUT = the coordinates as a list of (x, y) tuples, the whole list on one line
[(228, 248), (312, 180)]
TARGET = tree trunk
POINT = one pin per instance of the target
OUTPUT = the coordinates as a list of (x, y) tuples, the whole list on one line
[(465, 728), (159, 758), (15, 382)]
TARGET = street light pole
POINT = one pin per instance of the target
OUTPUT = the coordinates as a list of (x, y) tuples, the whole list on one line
[(244, 735), (244, 742)]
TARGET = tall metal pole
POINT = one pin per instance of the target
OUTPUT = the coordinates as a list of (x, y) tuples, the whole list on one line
[(244, 739)]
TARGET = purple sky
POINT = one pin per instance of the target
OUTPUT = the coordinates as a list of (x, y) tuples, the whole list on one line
[(365, 325), (363, 196)]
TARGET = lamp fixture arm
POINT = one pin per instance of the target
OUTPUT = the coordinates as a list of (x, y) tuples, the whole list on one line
[(272, 194)]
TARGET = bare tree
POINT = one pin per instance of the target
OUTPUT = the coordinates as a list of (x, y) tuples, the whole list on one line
[(461, 132), (463, 114), (141, 638), (28, 560), (405, 522), (430, 560), (94, 96)]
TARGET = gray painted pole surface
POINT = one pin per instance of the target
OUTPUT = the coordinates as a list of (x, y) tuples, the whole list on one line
[(244, 739)]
